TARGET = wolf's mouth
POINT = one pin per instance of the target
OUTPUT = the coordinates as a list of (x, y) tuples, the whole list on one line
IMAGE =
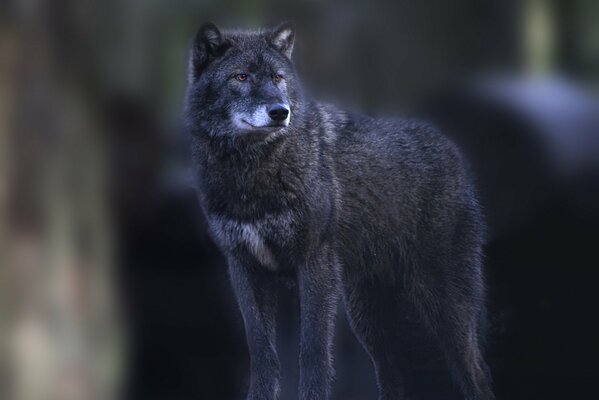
[(264, 127)]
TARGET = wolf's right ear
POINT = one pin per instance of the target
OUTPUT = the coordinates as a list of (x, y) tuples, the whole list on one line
[(208, 45), (282, 38)]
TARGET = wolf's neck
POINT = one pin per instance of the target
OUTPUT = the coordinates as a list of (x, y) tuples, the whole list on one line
[(246, 182)]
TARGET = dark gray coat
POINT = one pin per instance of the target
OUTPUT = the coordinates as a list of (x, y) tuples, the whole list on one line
[(379, 213)]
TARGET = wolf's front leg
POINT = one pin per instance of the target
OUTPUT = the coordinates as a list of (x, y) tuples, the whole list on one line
[(318, 282), (257, 297)]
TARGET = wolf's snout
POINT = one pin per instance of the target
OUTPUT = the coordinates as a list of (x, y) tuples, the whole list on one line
[(278, 112)]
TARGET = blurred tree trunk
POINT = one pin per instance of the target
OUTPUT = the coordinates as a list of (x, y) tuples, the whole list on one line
[(60, 330), (7, 96)]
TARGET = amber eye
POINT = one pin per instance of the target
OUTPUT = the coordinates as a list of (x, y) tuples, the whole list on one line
[(277, 78), (241, 77)]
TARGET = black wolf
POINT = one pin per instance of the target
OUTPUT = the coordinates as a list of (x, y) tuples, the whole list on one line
[(379, 213)]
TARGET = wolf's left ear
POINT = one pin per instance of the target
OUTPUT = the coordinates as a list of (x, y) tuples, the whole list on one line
[(208, 44), (282, 38)]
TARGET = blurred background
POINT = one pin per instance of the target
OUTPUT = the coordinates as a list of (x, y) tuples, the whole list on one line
[(110, 287)]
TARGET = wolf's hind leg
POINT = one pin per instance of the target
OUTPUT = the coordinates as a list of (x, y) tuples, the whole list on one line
[(450, 311), (373, 313)]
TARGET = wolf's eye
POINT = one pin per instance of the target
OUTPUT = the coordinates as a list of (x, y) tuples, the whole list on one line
[(241, 77), (277, 78)]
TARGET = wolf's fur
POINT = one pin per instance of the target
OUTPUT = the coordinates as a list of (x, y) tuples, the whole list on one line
[(379, 213)]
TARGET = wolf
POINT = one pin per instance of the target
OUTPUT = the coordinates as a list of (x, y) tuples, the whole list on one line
[(378, 213)]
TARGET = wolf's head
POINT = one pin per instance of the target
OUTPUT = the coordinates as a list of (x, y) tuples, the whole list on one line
[(242, 83)]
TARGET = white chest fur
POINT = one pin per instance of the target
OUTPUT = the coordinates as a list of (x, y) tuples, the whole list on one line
[(233, 233)]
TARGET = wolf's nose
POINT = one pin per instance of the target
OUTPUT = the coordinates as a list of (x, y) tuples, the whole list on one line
[(278, 112)]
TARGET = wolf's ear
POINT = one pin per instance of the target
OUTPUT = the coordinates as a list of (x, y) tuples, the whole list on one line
[(282, 38), (208, 44)]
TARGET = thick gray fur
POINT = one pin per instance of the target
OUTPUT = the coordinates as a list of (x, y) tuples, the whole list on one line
[(378, 213)]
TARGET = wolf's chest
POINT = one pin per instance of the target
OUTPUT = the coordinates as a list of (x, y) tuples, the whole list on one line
[(260, 239)]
